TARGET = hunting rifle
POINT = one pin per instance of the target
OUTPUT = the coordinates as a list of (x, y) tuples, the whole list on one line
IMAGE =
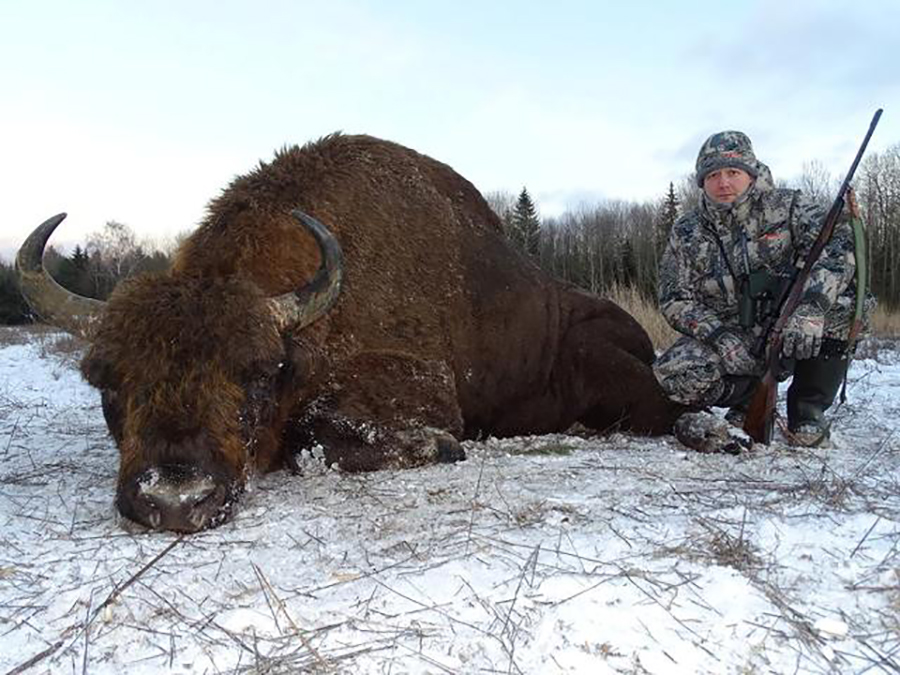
[(760, 418)]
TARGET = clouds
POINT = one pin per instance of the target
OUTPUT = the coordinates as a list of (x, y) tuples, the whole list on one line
[(819, 44), (143, 112), (817, 59)]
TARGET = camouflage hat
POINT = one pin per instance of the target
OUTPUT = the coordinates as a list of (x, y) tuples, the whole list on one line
[(726, 149)]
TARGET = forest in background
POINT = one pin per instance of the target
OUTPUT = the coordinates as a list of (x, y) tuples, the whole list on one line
[(618, 244)]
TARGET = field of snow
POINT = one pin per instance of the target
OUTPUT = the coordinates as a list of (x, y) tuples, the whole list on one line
[(552, 554)]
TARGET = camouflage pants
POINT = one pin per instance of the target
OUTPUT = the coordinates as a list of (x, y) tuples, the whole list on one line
[(692, 373)]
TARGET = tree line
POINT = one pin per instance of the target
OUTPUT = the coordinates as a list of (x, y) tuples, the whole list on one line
[(93, 270), (619, 243), (610, 244), (878, 190)]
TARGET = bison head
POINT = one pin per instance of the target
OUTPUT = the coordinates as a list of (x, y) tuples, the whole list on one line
[(191, 371)]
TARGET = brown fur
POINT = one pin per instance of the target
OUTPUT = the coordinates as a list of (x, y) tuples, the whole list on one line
[(440, 325), (175, 350)]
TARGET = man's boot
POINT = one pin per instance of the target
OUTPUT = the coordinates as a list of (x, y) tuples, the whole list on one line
[(816, 383), (736, 397)]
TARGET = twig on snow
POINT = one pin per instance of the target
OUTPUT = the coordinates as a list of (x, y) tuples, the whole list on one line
[(37, 658), (280, 606), (33, 661), (12, 433), (511, 635), (865, 536), (87, 634), (475, 502)]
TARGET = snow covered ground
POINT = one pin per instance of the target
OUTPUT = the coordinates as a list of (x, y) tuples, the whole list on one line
[(553, 554)]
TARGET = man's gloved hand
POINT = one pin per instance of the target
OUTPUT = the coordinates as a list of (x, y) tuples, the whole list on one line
[(734, 352), (802, 335)]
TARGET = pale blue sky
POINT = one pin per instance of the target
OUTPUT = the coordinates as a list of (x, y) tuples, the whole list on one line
[(142, 111)]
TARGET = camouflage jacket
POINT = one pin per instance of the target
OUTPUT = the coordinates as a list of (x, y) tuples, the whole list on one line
[(711, 248)]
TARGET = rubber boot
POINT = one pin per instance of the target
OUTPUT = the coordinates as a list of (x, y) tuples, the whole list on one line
[(738, 392), (815, 385)]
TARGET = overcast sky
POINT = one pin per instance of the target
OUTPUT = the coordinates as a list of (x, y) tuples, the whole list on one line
[(142, 111)]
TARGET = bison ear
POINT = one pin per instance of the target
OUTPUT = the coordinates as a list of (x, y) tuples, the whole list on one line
[(98, 372)]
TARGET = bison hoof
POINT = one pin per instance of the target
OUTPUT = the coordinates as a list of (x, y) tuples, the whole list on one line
[(449, 450), (704, 432), (429, 445)]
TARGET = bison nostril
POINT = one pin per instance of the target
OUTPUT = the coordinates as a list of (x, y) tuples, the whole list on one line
[(174, 497), (198, 519), (176, 487)]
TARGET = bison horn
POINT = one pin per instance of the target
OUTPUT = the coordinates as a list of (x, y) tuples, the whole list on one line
[(310, 302), (50, 301)]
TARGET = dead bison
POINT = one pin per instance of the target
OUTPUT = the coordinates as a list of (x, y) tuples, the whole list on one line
[(385, 326)]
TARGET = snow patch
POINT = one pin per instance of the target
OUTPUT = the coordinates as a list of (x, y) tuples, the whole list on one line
[(538, 554)]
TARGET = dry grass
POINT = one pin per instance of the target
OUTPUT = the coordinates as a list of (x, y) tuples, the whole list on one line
[(885, 323), (646, 314), (62, 347), (14, 335)]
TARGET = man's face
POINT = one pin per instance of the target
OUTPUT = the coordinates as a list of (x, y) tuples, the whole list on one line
[(726, 185)]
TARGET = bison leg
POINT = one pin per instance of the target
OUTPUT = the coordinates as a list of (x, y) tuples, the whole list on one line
[(610, 388), (382, 410)]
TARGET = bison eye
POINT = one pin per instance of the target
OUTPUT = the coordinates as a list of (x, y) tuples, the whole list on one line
[(259, 380), (263, 372)]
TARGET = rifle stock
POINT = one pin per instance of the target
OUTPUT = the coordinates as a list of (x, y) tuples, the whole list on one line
[(760, 419)]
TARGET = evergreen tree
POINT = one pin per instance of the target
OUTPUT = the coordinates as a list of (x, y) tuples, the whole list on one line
[(628, 275), (80, 258), (667, 217), (74, 274), (526, 227), (13, 308)]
